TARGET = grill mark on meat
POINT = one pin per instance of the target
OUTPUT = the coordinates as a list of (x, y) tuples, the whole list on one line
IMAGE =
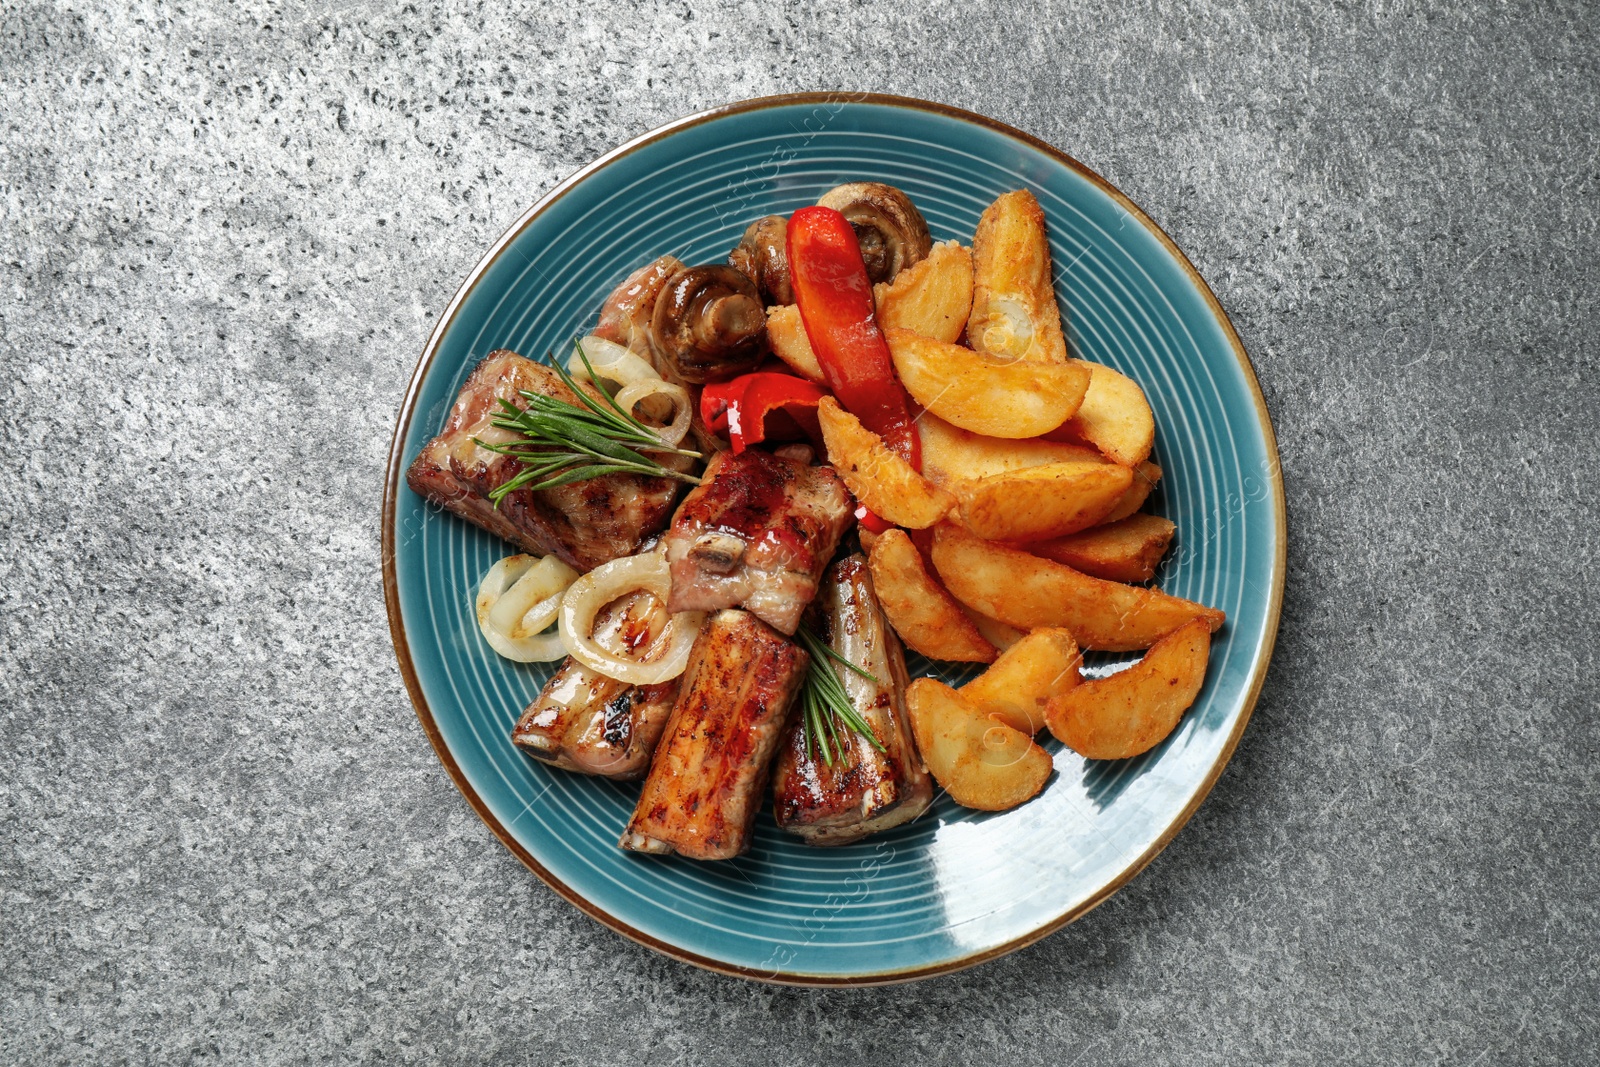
[(756, 534), (864, 790), (586, 722), (711, 768), (584, 523)]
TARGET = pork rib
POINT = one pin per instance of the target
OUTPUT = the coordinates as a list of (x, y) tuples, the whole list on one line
[(756, 533), (863, 790), (584, 524), (710, 770), (586, 722)]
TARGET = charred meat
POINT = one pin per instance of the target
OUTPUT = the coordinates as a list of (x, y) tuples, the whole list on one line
[(756, 534), (863, 790), (586, 722), (710, 770), (583, 523)]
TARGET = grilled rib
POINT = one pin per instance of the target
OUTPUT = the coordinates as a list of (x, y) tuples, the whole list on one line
[(625, 315), (863, 790), (710, 769), (586, 722), (584, 523), (756, 534)]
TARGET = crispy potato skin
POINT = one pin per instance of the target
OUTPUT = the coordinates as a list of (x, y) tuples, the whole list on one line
[(1134, 710), (994, 631), (951, 455), (926, 617), (1018, 687), (1125, 551), (1013, 399), (878, 477), (1145, 477), (932, 298), (979, 760), (1014, 311), (1026, 591), (786, 333), (1114, 417), (1042, 502)]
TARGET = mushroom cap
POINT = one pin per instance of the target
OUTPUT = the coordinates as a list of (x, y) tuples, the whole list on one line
[(891, 231), (709, 324), (763, 254)]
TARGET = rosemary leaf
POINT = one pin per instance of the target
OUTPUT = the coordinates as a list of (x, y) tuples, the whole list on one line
[(825, 707)]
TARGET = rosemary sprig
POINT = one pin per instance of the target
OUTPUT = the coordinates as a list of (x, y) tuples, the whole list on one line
[(564, 443), (824, 704)]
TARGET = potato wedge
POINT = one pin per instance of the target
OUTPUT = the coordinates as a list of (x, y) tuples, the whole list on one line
[(1145, 477), (951, 455), (979, 760), (1125, 551), (932, 298), (1041, 502), (1114, 417), (878, 477), (927, 618), (1014, 311), (1001, 398), (994, 631), (1019, 685), (786, 333), (1028, 592), (1134, 710)]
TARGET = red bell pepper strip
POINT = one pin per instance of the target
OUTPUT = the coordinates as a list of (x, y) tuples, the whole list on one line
[(834, 294), (871, 520), (745, 407)]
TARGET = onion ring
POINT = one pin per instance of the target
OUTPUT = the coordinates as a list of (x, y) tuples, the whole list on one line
[(520, 597), (610, 361), (668, 654), (674, 431)]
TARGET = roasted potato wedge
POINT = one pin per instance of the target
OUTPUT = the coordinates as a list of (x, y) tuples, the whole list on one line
[(1041, 502), (979, 760), (1145, 477), (1134, 710), (927, 618), (1114, 417), (1125, 551), (994, 631), (1000, 398), (1026, 591), (951, 455), (878, 477), (786, 333), (932, 298), (1019, 685), (1014, 312)]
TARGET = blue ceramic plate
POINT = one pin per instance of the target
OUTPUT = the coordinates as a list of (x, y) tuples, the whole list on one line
[(955, 887)]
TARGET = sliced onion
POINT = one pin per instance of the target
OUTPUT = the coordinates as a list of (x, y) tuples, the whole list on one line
[(519, 598), (653, 392), (611, 362), (667, 655)]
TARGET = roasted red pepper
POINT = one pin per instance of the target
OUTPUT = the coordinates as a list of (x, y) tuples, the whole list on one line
[(835, 299), (752, 408)]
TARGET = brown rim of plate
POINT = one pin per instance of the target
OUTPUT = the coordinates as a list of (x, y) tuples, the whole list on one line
[(396, 468)]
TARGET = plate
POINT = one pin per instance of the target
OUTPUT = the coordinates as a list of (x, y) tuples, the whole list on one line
[(955, 887)]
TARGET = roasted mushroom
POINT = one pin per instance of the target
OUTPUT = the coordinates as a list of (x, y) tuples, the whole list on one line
[(762, 254), (709, 324), (892, 232)]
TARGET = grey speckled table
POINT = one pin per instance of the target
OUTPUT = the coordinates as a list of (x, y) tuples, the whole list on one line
[(226, 232)]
